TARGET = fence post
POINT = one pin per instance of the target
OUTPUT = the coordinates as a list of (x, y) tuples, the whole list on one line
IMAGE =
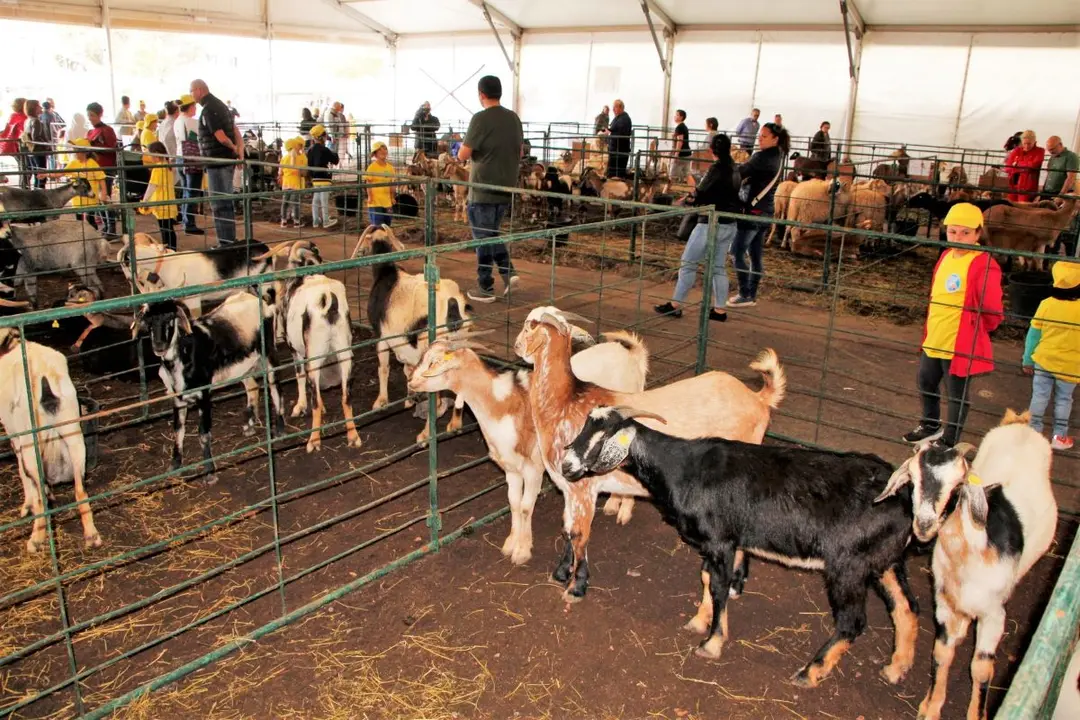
[(706, 296), (832, 220), (249, 230), (633, 196), (431, 275)]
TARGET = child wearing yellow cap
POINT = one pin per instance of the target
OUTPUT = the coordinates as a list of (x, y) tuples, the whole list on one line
[(379, 198), (965, 307), (87, 168), (1052, 352), (320, 158), (291, 178), (149, 131), (161, 188)]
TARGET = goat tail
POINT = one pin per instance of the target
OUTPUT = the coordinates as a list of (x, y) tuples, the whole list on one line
[(49, 400), (635, 346), (768, 364)]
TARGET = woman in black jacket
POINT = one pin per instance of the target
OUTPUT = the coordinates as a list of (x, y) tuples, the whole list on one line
[(37, 135), (760, 176), (720, 190)]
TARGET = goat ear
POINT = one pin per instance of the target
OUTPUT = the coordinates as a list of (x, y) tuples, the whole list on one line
[(615, 449), (137, 323), (977, 503), (184, 318), (901, 477)]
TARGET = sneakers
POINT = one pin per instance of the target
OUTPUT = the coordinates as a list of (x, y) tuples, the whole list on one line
[(480, 295), (284, 223), (511, 284), (924, 433), (1062, 442), (331, 223), (668, 309), (740, 301), (717, 316)]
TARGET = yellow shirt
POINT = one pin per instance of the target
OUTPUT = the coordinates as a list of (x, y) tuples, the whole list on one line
[(147, 137), (161, 178), (947, 304), (293, 178), (94, 175), (380, 172), (1058, 351)]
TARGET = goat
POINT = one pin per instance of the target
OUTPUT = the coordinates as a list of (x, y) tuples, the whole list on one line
[(62, 244), (456, 171), (809, 168), (62, 449), (1030, 229), (398, 312), (711, 404), (500, 402), (555, 183), (993, 520), (605, 188), (159, 268), (314, 310), (19, 200), (222, 346), (111, 351), (811, 509)]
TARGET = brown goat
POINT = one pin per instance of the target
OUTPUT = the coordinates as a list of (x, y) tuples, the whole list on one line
[(1029, 229)]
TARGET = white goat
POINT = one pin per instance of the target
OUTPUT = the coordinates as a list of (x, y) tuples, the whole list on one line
[(63, 451)]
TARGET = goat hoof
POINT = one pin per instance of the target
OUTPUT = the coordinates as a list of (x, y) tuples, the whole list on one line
[(355, 441), (711, 649), (521, 555), (894, 674), (24, 511), (313, 445), (697, 626), (454, 425), (802, 679), (34, 547), (626, 511), (508, 546), (92, 541), (210, 479), (380, 403), (571, 596), (299, 410), (611, 507), (561, 575), (249, 430)]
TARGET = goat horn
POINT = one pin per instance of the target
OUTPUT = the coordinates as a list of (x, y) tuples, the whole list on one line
[(277, 251), (574, 316), (631, 412), (554, 320), (14, 303)]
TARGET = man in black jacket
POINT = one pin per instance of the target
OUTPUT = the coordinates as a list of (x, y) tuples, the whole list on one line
[(620, 131), (425, 125), (219, 139)]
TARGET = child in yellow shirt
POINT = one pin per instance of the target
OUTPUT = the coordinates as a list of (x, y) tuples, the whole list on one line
[(1052, 352), (379, 198), (84, 166), (291, 177), (149, 131), (161, 188)]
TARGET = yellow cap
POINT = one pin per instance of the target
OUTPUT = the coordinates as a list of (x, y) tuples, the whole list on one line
[(964, 215), (295, 143), (1066, 274), (186, 99), (379, 145), (149, 121), (80, 142), (139, 125), (318, 131)]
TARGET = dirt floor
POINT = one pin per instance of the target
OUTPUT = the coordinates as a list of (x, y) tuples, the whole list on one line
[(463, 633)]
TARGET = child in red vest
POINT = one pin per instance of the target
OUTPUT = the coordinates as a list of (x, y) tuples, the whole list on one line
[(965, 307)]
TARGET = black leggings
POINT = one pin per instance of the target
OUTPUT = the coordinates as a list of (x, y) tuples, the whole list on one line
[(931, 372), (168, 233)]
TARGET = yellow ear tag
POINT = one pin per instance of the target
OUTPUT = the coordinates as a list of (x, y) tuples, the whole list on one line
[(623, 438), (55, 324), (974, 479), (447, 356)]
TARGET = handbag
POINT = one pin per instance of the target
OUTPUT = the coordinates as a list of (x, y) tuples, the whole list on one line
[(686, 227)]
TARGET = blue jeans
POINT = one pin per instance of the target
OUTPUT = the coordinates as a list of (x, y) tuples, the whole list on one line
[(695, 251), (192, 189), (320, 207), (748, 240), (484, 219), (1042, 385), (379, 216), (220, 182)]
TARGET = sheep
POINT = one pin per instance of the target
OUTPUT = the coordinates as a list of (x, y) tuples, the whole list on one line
[(811, 203), (605, 188), (711, 404), (222, 346), (993, 520), (1028, 229), (811, 509), (14, 199), (314, 311), (159, 268), (456, 171), (398, 312), (62, 448), (500, 401), (61, 244), (868, 209), (781, 199)]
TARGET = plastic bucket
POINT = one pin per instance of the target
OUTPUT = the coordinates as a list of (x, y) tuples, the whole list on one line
[(1027, 289)]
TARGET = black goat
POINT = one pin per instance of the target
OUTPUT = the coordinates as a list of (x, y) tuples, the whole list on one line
[(804, 508), (806, 168), (222, 346), (939, 207)]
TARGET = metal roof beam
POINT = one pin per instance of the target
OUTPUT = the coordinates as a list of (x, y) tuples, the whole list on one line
[(499, 17), (498, 38), (351, 12), (659, 14), (851, 13), (655, 39)]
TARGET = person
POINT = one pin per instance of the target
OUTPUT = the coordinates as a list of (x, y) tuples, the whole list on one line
[(37, 139), (136, 137), (315, 114), (965, 307), (166, 134), (760, 175), (821, 144), (602, 121), (620, 134), (149, 134), (125, 118), (103, 139), (681, 140), (232, 111), (493, 144), (719, 189), (747, 130), (778, 120), (291, 178), (79, 128), (319, 159), (140, 114), (218, 138), (55, 123), (307, 121), (426, 125), (1061, 171), (1022, 165), (84, 166), (336, 125), (1013, 141), (1052, 352), (186, 130), (160, 188), (380, 198), (712, 129), (11, 139)]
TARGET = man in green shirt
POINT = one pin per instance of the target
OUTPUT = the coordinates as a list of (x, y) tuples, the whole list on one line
[(493, 144), (1061, 172)]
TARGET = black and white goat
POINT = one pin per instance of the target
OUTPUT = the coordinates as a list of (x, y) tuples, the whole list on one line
[(993, 520), (63, 450), (223, 346), (398, 311), (810, 509), (314, 312)]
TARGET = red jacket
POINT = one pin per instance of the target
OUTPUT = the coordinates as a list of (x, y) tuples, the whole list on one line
[(1022, 167), (11, 134), (103, 136), (982, 313)]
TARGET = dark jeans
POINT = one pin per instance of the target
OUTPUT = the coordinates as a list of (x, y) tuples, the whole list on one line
[(748, 240), (108, 217), (379, 216), (192, 189), (931, 373), (168, 233), (617, 162), (220, 183), (484, 219), (1067, 238), (36, 163)]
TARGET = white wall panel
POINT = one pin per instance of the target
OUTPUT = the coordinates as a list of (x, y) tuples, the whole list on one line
[(555, 79), (713, 76), (626, 66)]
